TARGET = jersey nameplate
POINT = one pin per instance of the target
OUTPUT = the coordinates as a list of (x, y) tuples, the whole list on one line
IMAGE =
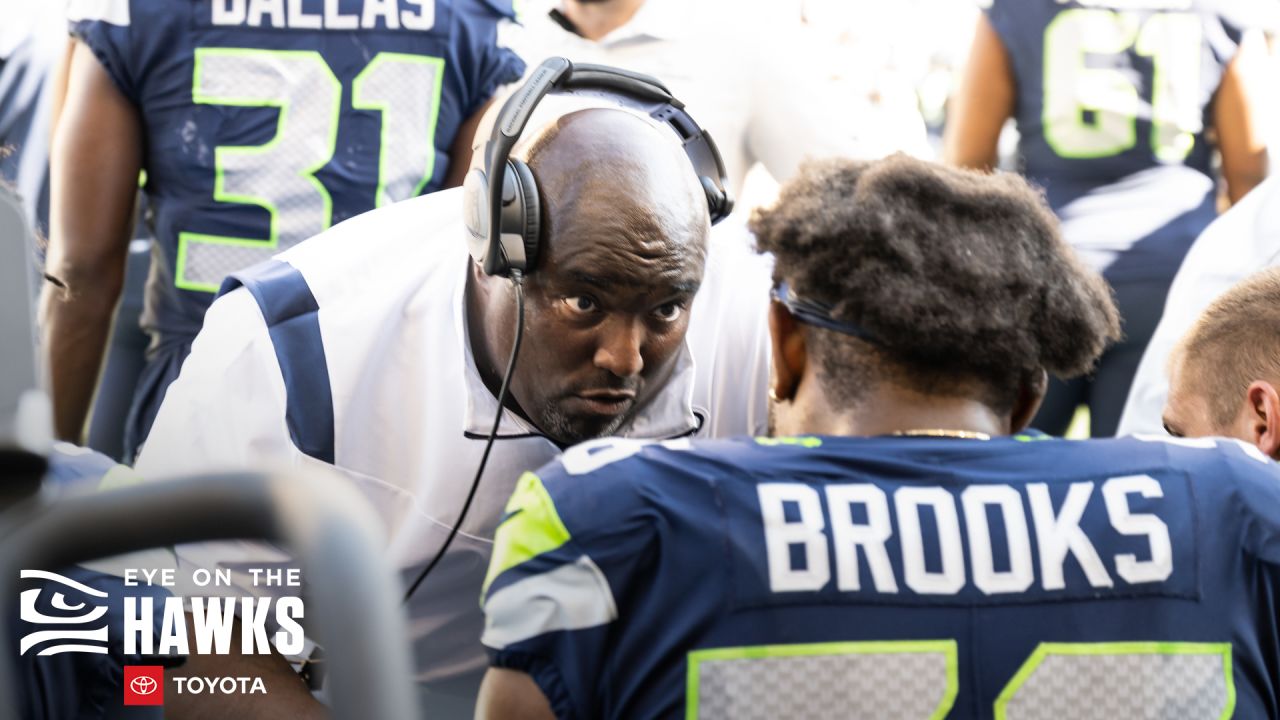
[(1132, 4), (416, 15), (975, 543)]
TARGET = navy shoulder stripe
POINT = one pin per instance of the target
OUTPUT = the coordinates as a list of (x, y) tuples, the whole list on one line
[(290, 310)]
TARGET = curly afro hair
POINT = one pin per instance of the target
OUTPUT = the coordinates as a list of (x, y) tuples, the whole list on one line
[(961, 277)]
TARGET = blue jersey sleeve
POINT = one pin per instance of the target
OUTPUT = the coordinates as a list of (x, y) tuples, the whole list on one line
[(492, 65), (106, 28), (1011, 20), (1257, 489), (572, 542)]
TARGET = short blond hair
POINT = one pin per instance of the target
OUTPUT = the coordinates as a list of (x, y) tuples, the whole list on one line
[(1235, 341)]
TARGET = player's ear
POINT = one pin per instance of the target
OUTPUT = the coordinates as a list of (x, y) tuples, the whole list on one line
[(1263, 412), (1030, 394), (789, 353)]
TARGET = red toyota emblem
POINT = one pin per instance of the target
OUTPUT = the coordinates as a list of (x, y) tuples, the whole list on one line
[(143, 685)]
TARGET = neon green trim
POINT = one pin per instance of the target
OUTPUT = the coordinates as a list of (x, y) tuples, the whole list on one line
[(1049, 83), (1021, 437), (805, 441), (532, 527), (1117, 648), (119, 476), (1056, 134), (185, 239), (223, 152), (946, 647), (1171, 27), (387, 153)]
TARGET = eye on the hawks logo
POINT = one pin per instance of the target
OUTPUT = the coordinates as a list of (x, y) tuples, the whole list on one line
[(70, 606), (143, 685)]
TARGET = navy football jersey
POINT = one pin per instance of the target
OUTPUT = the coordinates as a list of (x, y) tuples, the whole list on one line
[(907, 577), (267, 121), (1114, 98)]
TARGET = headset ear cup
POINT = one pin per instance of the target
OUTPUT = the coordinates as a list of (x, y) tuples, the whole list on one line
[(527, 190), (475, 214)]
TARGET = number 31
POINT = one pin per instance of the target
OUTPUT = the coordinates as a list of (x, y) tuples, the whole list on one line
[(280, 175)]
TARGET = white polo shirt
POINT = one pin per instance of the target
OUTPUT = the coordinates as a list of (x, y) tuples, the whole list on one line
[(745, 74), (375, 370), (1241, 242)]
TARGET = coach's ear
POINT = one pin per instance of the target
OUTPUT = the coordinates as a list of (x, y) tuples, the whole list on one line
[(789, 353), (1262, 413), (1030, 394)]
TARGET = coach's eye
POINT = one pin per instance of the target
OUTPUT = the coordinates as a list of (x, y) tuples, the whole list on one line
[(669, 312), (581, 304)]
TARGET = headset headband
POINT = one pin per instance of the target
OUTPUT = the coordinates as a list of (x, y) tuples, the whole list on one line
[(634, 90)]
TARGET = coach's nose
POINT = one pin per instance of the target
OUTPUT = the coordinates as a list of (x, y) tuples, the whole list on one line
[(619, 346)]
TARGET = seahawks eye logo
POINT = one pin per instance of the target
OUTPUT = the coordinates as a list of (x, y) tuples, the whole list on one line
[(72, 605)]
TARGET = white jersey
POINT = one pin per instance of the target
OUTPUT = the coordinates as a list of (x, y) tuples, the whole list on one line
[(745, 73), (355, 352), (1241, 242)]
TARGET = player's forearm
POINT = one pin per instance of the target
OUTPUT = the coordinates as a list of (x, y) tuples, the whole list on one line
[(76, 322), (511, 694)]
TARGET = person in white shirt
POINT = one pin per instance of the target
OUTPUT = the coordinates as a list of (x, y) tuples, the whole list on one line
[(379, 347), (1242, 241), (746, 69)]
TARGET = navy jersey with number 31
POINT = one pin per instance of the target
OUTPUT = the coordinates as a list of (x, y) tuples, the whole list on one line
[(267, 121), (911, 577)]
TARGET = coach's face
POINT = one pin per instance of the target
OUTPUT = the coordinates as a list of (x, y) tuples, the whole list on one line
[(607, 307)]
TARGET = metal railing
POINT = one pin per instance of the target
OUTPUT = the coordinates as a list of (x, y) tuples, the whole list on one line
[(352, 595)]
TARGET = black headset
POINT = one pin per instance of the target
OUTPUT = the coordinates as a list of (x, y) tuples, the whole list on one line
[(502, 208)]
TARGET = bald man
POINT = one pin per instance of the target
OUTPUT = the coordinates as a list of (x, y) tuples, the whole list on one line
[(380, 345), (1224, 374)]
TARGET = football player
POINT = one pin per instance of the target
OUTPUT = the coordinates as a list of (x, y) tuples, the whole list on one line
[(898, 547), (259, 124), (1121, 108)]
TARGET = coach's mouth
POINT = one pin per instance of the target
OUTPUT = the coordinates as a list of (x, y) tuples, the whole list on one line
[(604, 402)]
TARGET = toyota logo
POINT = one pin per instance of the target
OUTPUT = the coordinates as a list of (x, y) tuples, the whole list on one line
[(143, 685)]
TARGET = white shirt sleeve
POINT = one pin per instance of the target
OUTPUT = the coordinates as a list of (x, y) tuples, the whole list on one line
[(226, 410), (1239, 243)]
